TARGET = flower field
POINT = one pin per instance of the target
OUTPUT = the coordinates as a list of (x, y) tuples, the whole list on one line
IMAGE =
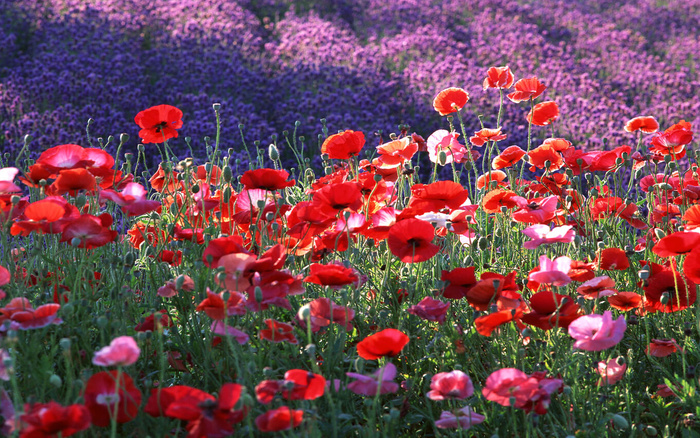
[(399, 218)]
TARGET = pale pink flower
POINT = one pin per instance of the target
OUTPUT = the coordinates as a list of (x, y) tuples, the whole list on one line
[(381, 380), (7, 411), (442, 140), (597, 332), (453, 385), (611, 372), (461, 419), (542, 235), (170, 288), (8, 174), (235, 266), (122, 351), (133, 199), (552, 272), (218, 327)]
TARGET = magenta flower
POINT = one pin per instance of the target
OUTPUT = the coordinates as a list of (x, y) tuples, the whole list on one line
[(452, 385), (218, 327), (535, 211), (552, 272), (529, 393), (430, 309), (597, 332), (611, 372), (382, 380), (122, 351), (461, 419), (542, 235)]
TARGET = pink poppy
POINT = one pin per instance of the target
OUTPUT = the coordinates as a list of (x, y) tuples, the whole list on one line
[(382, 380), (122, 351), (597, 332), (611, 372), (528, 392), (218, 327), (535, 211), (442, 140), (460, 419), (133, 199), (552, 271), (542, 235), (171, 288), (430, 309), (453, 385)]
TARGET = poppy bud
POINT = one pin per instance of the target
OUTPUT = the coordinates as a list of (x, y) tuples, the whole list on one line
[(310, 349), (216, 106), (129, 259), (102, 322), (273, 152), (442, 158), (123, 138), (618, 161), (620, 422), (55, 380), (660, 234), (328, 170), (75, 242), (651, 430), (377, 177), (482, 243), (672, 165), (140, 147), (643, 274), (468, 165), (65, 343), (594, 192), (227, 194), (15, 199), (258, 294), (665, 298)]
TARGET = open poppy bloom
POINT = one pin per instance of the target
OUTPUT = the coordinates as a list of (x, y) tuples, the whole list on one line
[(430, 309), (544, 113), (381, 381), (334, 275), (597, 287), (499, 77), (450, 100), (282, 418), (459, 419), (266, 179), (509, 156), (611, 371), (133, 199), (453, 385), (549, 310), (526, 89), (667, 290), (89, 231), (612, 259), (445, 141), (122, 351), (323, 311), (51, 419), (597, 332), (543, 235), (107, 400), (277, 331), (411, 241), (158, 123), (344, 145), (485, 135), (22, 316), (625, 301), (552, 272), (388, 342), (529, 393), (645, 124)]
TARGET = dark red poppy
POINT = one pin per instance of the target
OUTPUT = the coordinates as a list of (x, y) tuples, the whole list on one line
[(450, 100), (282, 418), (549, 310), (544, 113), (51, 420), (266, 179), (460, 281), (72, 180), (333, 274), (48, 215), (154, 321), (526, 89), (388, 342), (344, 145), (667, 290), (411, 241), (277, 331), (107, 400), (305, 385), (612, 259), (430, 309), (662, 347), (158, 123)]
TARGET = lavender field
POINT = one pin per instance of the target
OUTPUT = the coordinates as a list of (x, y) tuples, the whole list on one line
[(365, 65)]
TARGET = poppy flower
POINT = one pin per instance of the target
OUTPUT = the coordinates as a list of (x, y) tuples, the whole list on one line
[(388, 342), (277, 331), (543, 114), (445, 141), (499, 77), (106, 399), (396, 152), (459, 282), (305, 385), (489, 179), (158, 123), (485, 135), (221, 329), (486, 324), (51, 419), (597, 332), (463, 418), (122, 351), (597, 287), (453, 385), (536, 210), (549, 310), (494, 200), (282, 418), (344, 145), (662, 347), (646, 124), (529, 393), (333, 274), (266, 179), (543, 235), (526, 89), (430, 309), (23, 317), (678, 243), (611, 371), (221, 246), (610, 259), (668, 291), (381, 381), (450, 100), (507, 158), (71, 181), (542, 154), (672, 141), (133, 199), (552, 271), (323, 311), (411, 241), (625, 301), (338, 197), (154, 321), (90, 231), (438, 195)]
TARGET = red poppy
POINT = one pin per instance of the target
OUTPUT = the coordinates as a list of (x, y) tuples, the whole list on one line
[(344, 145), (499, 77), (549, 310), (509, 156), (661, 347), (526, 89), (306, 385), (430, 309), (396, 152), (388, 342), (277, 331), (450, 100), (154, 321), (678, 243), (158, 123), (334, 198), (323, 311), (51, 419), (625, 301), (411, 241), (486, 180), (23, 316), (266, 179), (460, 281), (72, 180), (486, 324), (667, 290), (91, 231), (105, 402), (48, 215), (282, 418), (220, 247), (672, 141), (438, 195), (614, 206), (612, 259), (544, 113), (333, 274), (539, 156), (485, 135), (646, 124), (494, 200)]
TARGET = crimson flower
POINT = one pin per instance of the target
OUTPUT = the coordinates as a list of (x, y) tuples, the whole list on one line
[(544, 113), (450, 100), (460, 281), (526, 89), (277, 331), (675, 244), (411, 241), (667, 290), (158, 123), (344, 145), (266, 179), (91, 231), (499, 77), (662, 347), (323, 311), (430, 309), (388, 342), (549, 310), (282, 418), (509, 156), (51, 419), (333, 274), (106, 399)]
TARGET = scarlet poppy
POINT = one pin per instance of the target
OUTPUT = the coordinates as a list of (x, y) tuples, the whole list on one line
[(486, 324), (494, 200), (411, 241), (499, 77), (72, 180), (305, 385), (282, 418), (486, 180), (266, 179), (549, 310), (526, 89), (625, 301), (542, 154), (159, 123), (461, 280), (333, 274), (334, 198), (396, 152), (450, 100), (51, 419), (220, 247), (668, 291), (90, 231), (544, 113), (509, 156), (388, 342), (485, 135), (678, 243), (344, 145), (646, 124), (662, 347), (612, 259), (154, 321), (323, 311), (438, 195), (108, 400), (277, 331)]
